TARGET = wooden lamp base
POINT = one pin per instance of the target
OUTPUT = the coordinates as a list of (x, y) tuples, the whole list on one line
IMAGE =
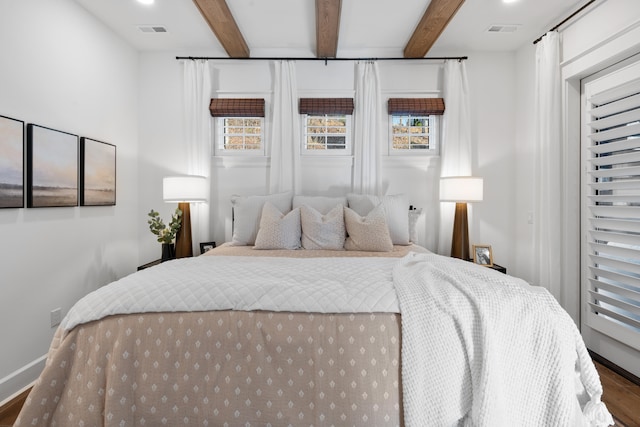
[(184, 247), (460, 237)]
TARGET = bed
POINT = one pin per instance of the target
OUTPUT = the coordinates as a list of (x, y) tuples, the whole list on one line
[(316, 337)]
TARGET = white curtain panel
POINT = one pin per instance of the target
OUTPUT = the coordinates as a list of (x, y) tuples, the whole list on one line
[(284, 173), (455, 148), (367, 132), (547, 176), (197, 138)]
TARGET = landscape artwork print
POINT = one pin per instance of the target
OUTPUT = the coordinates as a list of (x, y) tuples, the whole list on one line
[(52, 168), (98, 173), (11, 163)]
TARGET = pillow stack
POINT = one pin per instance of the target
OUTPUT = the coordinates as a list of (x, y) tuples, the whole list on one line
[(355, 222)]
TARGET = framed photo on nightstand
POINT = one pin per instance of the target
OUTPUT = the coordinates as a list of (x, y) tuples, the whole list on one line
[(482, 255), (205, 246)]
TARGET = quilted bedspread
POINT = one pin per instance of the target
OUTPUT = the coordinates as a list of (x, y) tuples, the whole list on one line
[(320, 285)]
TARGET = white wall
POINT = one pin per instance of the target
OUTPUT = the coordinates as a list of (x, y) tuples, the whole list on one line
[(492, 82), (63, 69)]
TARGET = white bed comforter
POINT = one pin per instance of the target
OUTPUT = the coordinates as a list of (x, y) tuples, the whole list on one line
[(319, 285), (481, 348), (478, 347)]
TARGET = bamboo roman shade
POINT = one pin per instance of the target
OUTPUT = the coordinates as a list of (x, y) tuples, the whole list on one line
[(237, 107), (416, 106), (326, 106)]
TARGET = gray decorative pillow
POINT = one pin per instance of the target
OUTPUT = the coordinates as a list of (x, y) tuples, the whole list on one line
[(278, 231), (247, 211), (369, 233), (322, 231), (395, 206)]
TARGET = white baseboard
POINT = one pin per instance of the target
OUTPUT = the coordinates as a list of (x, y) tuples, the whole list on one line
[(16, 382)]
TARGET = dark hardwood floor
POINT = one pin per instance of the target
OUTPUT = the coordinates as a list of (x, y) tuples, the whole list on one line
[(621, 396)]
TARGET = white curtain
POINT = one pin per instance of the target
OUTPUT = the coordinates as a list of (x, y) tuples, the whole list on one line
[(547, 175), (455, 148), (367, 138), (197, 139), (284, 173)]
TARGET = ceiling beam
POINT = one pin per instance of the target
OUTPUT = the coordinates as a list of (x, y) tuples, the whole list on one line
[(433, 22), (327, 27), (221, 22)]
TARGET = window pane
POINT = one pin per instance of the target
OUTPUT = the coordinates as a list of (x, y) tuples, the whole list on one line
[(233, 122), (233, 143), (410, 132), (315, 130), (336, 142), (253, 122), (325, 132), (240, 134)]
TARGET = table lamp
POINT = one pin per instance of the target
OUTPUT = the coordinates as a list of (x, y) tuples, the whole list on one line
[(460, 189), (184, 190)]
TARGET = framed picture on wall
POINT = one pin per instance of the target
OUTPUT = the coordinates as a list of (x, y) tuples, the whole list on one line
[(11, 163), (482, 255), (97, 173), (52, 167)]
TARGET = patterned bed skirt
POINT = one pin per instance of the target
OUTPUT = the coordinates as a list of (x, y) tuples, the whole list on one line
[(223, 368)]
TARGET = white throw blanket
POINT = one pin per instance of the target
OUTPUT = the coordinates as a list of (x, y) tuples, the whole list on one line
[(480, 348)]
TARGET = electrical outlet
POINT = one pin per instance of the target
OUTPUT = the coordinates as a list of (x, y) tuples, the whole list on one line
[(529, 217), (56, 317)]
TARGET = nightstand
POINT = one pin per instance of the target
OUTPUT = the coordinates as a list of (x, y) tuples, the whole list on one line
[(499, 268), (496, 267), (149, 264)]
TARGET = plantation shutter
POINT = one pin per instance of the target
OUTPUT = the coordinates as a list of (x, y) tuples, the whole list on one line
[(613, 211)]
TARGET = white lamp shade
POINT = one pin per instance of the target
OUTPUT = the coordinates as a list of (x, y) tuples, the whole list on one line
[(179, 189), (461, 189)]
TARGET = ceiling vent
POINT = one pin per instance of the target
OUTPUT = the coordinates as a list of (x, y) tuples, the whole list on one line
[(152, 28), (501, 28)]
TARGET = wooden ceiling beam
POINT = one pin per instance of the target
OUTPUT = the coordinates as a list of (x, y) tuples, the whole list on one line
[(327, 27), (223, 25), (433, 22)]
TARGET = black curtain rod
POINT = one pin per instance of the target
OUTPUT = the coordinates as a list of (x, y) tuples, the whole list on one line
[(213, 58), (565, 20)]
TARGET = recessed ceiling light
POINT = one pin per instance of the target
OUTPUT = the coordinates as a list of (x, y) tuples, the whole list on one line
[(146, 1), (503, 1)]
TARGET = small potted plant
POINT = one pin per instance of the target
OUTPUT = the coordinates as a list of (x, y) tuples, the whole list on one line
[(166, 234)]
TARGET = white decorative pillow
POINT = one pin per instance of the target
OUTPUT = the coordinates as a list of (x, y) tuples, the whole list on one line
[(322, 231), (322, 204), (395, 207), (278, 231), (369, 233), (247, 211)]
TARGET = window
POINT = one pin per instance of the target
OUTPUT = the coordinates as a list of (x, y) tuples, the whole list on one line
[(326, 125), (414, 124), (239, 125), (412, 133), (240, 134), (327, 132)]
